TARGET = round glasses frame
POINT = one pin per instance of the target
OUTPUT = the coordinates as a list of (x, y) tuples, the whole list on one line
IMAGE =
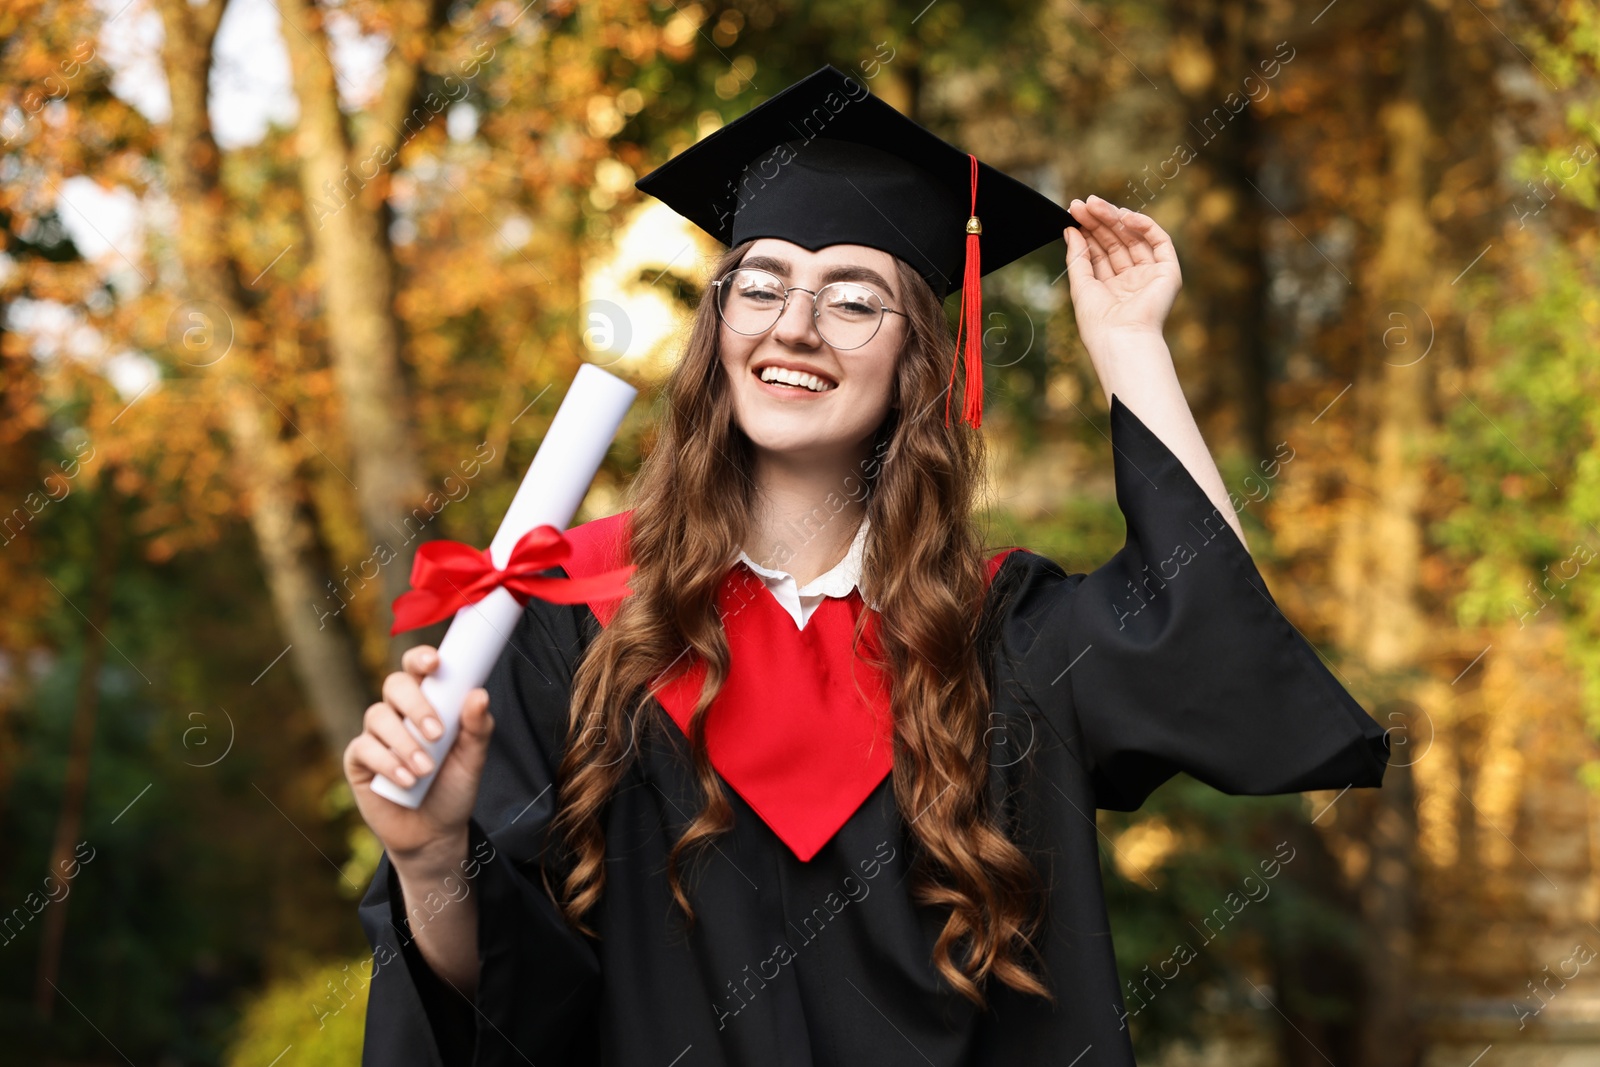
[(816, 311)]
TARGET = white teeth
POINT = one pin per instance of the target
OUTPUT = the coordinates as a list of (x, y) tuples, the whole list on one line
[(794, 377)]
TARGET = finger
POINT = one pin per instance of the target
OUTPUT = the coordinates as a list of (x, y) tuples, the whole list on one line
[(1094, 250), (472, 744), (405, 693), (476, 722), (1119, 241), (355, 771), (1133, 239), (1110, 231), (1086, 220), (384, 723), (1094, 231), (420, 660), (1079, 270), (366, 757), (1098, 259), (1141, 234), (1161, 246)]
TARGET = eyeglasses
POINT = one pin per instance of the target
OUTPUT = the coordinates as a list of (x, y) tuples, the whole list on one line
[(847, 314)]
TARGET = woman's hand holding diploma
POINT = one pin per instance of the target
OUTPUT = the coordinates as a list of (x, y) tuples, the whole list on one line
[(426, 844), (1124, 276), (421, 812)]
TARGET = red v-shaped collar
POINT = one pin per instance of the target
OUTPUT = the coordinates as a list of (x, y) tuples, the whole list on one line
[(598, 546), (802, 728)]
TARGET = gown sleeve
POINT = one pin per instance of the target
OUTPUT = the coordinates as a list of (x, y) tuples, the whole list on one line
[(538, 980), (1173, 656)]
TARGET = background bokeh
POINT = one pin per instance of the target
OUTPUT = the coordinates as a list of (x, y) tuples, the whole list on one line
[(289, 286)]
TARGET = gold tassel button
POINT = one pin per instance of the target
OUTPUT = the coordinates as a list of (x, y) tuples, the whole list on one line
[(973, 225)]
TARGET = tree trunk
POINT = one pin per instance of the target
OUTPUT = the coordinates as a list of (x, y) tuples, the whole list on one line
[(1228, 148), (1401, 383), (1388, 911), (1380, 550), (103, 573), (1379, 555), (322, 652), (344, 191)]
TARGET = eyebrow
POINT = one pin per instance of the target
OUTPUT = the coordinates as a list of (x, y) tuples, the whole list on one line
[(833, 274)]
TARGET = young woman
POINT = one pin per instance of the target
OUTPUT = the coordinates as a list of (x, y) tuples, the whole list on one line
[(821, 789)]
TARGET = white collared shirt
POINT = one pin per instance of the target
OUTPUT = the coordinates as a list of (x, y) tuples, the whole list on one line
[(837, 581)]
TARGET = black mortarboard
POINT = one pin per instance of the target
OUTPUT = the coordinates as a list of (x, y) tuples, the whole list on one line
[(826, 162)]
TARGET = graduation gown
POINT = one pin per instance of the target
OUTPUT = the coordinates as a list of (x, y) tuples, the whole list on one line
[(807, 950)]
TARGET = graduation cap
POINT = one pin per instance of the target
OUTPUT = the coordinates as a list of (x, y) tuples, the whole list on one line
[(826, 162)]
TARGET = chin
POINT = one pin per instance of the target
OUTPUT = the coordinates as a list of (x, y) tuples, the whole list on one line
[(799, 429), (799, 443)]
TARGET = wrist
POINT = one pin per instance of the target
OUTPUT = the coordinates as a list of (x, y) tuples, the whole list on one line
[(1127, 346), (1138, 360), (434, 860), (1115, 338)]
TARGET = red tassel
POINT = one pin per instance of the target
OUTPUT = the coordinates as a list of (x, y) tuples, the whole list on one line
[(970, 321)]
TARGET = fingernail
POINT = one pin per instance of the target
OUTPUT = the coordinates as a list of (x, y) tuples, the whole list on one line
[(405, 777), (421, 761), (432, 728)]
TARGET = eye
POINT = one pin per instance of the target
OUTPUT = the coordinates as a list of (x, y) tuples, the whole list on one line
[(757, 287), (848, 300)]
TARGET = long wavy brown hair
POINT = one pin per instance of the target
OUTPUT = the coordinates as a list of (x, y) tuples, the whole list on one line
[(924, 567)]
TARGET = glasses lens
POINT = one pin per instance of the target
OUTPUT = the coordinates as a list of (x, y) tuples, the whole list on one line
[(750, 301), (848, 315)]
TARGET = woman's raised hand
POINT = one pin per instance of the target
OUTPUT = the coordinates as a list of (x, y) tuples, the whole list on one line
[(386, 747), (1122, 269)]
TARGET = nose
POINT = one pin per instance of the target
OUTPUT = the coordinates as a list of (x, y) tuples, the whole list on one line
[(797, 326)]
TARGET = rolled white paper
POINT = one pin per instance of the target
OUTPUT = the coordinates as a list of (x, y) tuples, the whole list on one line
[(556, 483)]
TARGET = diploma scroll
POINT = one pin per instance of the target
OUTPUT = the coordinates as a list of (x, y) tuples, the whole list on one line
[(557, 480)]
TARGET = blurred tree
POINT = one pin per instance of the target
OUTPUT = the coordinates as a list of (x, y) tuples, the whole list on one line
[(321, 1014), (86, 705), (344, 181), (290, 548)]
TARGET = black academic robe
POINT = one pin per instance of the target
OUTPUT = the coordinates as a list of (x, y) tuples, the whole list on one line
[(1170, 657)]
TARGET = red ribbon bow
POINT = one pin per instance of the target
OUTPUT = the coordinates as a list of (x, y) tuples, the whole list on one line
[(446, 576)]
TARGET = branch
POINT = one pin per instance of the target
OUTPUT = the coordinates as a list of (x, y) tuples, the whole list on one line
[(415, 22), (189, 152), (207, 17), (321, 121)]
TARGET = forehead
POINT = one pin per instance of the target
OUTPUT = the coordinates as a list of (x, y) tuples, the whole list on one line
[(804, 262)]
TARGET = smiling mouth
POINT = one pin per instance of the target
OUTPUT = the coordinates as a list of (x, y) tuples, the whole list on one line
[(799, 381)]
